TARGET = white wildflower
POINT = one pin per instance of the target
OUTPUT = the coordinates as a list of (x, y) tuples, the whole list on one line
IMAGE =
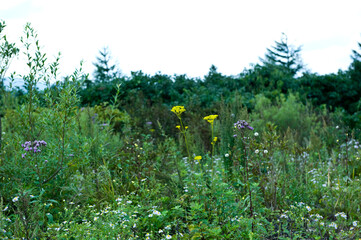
[(155, 212), (334, 225)]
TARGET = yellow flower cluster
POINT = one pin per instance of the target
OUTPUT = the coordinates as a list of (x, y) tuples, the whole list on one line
[(179, 127), (198, 158), (210, 118), (178, 110)]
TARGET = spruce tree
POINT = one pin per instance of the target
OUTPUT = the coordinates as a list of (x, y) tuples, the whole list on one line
[(284, 55), (104, 72)]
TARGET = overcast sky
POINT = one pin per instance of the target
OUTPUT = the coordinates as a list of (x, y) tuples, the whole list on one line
[(186, 36)]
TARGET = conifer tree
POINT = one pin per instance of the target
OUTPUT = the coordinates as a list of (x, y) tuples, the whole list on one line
[(284, 55), (104, 71)]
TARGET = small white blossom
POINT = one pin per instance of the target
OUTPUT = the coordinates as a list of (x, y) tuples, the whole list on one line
[(265, 151), (226, 155), (15, 199), (308, 208), (155, 212), (129, 202), (342, 214), (257, 151), (354, 223), (256, 134), (334, 225), (168, 237)]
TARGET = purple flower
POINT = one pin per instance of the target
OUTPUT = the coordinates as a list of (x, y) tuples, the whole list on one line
[(235, 135), (32, 146), (149, 123), (241, 124)]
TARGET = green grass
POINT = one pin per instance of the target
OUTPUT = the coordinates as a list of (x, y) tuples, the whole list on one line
[(132, 186)]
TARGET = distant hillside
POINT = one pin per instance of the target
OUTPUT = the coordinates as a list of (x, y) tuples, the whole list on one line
[(19, 82)]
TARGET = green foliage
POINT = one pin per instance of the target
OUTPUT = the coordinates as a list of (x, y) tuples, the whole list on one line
[(76, 168), (7, 52), (288, 115)]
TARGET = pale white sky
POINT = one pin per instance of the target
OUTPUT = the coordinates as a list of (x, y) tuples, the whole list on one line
[(187, 36)]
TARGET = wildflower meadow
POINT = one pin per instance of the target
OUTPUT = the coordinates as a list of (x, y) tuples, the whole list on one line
[(240, 165)]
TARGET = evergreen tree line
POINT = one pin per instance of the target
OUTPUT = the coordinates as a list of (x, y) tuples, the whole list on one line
[(281, 71)]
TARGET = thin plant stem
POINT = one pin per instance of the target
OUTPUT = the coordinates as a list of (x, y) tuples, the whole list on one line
[(213, 143), (247, 180), (185, 140)]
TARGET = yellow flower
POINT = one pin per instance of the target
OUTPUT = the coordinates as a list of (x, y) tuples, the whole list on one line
[(210, 118), (198, 158), (178, 110), (215, 139), (178, 127)]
